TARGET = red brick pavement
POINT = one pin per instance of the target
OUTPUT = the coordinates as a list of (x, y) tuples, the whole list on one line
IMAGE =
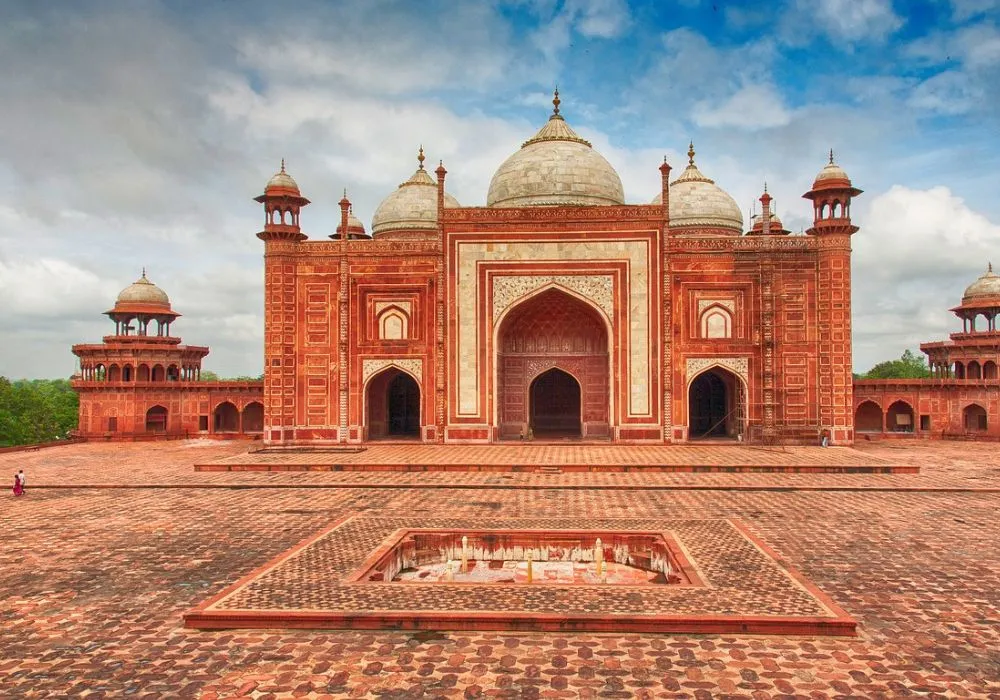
[(93, 583), (943, 465)]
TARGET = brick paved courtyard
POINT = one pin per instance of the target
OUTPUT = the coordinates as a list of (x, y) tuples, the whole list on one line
[(94, 581)]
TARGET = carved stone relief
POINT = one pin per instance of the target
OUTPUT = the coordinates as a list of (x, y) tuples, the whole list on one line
[(737, 365), (413, 365), (596, 288), (724, 303)]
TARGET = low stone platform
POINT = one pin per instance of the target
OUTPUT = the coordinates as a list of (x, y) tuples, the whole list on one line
[(561, 458), (741, 586)]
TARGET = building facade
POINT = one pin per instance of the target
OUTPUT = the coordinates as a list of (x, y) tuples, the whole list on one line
[(558, 311), (142, 383), (962, 397)]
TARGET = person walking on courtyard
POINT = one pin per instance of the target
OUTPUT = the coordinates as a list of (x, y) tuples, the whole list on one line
[(24, 483), (18, 487)]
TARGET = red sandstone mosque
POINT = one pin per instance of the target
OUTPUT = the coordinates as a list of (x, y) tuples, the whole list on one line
[(554, 311)]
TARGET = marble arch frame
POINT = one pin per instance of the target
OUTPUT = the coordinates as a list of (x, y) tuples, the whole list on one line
[(494, 407)]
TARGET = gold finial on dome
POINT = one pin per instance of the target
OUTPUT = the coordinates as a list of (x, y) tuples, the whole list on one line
[(831, 156), (144, 271), (555, 102), (691, 153), (282, 165), (420, 157), (989, 267)]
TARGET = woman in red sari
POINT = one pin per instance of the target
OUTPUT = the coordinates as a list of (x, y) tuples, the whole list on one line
[(18, 486)]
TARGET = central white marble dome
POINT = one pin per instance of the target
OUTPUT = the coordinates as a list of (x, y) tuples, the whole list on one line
[(555, 167)]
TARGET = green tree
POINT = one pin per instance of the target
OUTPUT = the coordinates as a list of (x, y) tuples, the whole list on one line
[(37, 410), (908, 366)]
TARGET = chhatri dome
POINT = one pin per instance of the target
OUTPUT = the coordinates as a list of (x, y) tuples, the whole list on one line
[(986, 288), (143, 292), (413, 206), (696, 200), (281, 183), (555, 167)]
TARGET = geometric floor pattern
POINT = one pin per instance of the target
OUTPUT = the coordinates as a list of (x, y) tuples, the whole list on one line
[(99, 565), (744, 588)]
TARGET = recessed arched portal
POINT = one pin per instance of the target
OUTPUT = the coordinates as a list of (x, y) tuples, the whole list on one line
[(156, 420), (974, 418), (899, 417), (553, 330), (554, 405), (393, 400), (253, 417), (227, 418), (716, 405), (868, 418)]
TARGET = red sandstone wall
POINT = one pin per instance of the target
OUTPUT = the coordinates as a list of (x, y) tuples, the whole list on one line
[(186, 403), (942, 401)]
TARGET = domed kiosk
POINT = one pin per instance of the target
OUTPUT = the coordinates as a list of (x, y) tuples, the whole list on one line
[(411, 210)]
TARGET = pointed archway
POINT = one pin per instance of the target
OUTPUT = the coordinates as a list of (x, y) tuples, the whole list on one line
[(553, 330), (555, 405), (156, 420), (715, 405), (393, 401)]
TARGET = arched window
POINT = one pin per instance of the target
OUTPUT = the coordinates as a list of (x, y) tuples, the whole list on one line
[(156, 420), (973, 371), (127, 373), (253, 417), (959, 370), (158, 373), (114, 373), (173, 374), (716, 323), (393, 324), (989, 369)]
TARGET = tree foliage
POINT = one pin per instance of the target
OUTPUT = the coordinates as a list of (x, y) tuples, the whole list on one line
[(208, 375), (36, 410), (909, 366)]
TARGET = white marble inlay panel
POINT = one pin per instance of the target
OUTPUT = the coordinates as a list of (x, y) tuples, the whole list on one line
[(381, 306), (738, 365), (413, 365), (635, 253), (597, 288)]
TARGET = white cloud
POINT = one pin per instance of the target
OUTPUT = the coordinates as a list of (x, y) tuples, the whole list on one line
[(902, 293), (750, 108), (49, 288), (950, 92), (844, 21), (963, 10)]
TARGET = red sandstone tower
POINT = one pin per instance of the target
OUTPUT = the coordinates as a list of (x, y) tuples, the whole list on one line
[(282, 204), (831, 195)]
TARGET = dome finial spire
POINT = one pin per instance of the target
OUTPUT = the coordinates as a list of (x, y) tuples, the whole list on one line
[(555, 102), (691, 153), (831, 156), (144, 271), (420, 157), (989, 267), (282, 165)]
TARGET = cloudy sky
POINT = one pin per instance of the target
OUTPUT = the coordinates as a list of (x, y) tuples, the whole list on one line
[(136, 133)]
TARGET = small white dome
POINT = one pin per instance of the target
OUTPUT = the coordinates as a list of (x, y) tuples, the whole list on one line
[(986, 287), (555, 167), (142, 291), (413, 206), (696, 200), (831, 171), (282, 180)]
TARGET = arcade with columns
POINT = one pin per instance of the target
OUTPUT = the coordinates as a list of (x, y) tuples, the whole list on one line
[(557, 311)]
